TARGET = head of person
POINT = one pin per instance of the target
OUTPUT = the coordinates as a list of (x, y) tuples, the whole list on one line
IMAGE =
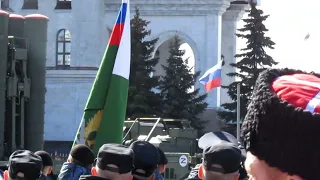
[(47, 162), (114, 161), (146, 159), (81, 155), (163, 161), (212, 138), (281, 128), (218, 137), (220, 162), (23, 165)]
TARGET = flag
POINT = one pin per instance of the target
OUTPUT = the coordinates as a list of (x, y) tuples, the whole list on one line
[(212, 78), (104, 114)]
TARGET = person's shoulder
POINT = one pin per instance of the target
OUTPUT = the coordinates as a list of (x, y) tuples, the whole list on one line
[(158, 176), (42, 177)]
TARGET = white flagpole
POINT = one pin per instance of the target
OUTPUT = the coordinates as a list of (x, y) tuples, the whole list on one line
[(238, 111)]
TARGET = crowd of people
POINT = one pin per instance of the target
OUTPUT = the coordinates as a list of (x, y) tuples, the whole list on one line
[(141, 160), (280, 142)]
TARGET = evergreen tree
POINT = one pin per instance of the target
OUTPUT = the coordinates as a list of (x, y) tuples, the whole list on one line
[(254, 60), (142, 101), (179, 102)]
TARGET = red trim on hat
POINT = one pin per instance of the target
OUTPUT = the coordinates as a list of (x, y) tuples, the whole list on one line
[(300, 90)]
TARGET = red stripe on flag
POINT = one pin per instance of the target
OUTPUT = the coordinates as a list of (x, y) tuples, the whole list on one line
[(297, 94), (116, 34), (317, 109), (213, 84)]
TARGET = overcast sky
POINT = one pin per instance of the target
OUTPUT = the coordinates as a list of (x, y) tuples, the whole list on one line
[(289, 22)]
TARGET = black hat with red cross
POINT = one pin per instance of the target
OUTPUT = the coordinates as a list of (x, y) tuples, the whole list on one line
[(282, 125)]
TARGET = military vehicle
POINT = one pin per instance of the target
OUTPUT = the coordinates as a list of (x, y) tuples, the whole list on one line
[(23, 42), (175, 137), (22, 97)]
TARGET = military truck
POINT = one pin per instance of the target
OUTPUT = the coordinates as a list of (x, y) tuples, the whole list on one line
[(23, 42), (175, 137)]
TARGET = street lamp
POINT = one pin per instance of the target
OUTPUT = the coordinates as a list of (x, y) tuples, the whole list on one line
[(238, 110), (222, 59)]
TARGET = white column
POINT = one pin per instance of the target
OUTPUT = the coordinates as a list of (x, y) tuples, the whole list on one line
[(86, 48), (229, 45), (213, 47)]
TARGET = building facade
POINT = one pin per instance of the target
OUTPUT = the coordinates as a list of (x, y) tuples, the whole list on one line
[(78, 33)]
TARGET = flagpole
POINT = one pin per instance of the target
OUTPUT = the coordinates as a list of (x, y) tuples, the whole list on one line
[(238, 111)]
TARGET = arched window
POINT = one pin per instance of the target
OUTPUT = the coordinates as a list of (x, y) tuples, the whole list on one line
[(63, 48)]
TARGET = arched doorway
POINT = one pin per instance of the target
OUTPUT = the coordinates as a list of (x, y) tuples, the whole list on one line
[(187, 44)]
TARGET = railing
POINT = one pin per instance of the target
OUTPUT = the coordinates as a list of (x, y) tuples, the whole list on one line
[(59, 156), (58, 160)]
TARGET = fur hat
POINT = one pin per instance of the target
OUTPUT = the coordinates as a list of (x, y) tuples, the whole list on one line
[(46, 158), (83, 154), (282, 125)]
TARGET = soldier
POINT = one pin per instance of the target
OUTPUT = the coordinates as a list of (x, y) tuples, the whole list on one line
[(23, 164), (46, 163), (216, 138), (221, 162), (146, 158), (79, 163), (163, 161), (114, 162), (281, 128)]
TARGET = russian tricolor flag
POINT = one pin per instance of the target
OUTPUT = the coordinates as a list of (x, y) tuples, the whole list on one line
[(212, 78)]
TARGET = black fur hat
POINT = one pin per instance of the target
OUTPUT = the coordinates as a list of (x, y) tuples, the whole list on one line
[(282, 125)]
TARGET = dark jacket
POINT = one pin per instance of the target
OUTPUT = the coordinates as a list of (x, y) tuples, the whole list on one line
[(42, 177), (52, 177), (71, 171)]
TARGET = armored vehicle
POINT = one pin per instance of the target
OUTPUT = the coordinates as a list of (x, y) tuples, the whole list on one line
[(23, 42), (175, 137)]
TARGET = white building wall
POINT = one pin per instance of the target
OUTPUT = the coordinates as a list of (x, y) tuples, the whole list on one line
[(90, 25), (65, 100), (67, 90), (229, 46)]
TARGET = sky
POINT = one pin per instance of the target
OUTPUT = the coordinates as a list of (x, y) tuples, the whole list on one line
[(289, 23)]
